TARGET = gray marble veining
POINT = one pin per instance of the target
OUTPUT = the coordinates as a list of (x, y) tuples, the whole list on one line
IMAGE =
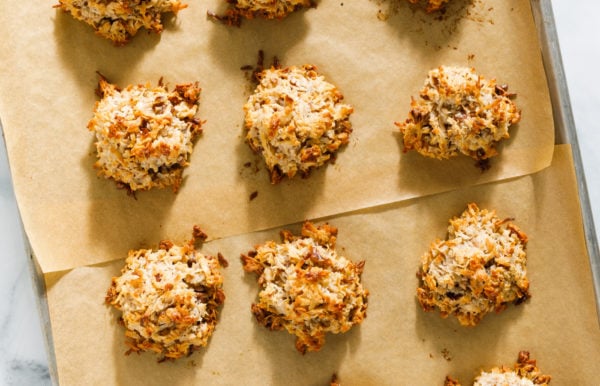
[(23, 358)]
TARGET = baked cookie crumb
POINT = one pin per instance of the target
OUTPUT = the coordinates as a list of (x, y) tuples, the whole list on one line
[(306, 287), (120, 20), (459, 112), (145, 134), (480, 267), (169, 299), (296, 120)]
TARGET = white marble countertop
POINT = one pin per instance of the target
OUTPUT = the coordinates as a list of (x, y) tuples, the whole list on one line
[(23, 359)]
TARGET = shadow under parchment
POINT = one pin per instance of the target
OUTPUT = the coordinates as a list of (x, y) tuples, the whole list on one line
[(288, 366), (234, 47), (287, 201), (423, 175), (84, 53), (445, 339), (119, 222), (431, 32)]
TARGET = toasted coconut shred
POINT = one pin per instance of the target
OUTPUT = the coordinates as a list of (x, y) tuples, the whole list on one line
[(145, 134), (306, 288), (296, 120), (265, 9), (431, 5), (525, 373), (459, 112), (120, 20), (169, 299), (479, 268)]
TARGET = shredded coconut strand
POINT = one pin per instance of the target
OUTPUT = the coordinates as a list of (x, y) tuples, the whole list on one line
[(267, 9), (168, 299), (296, 120), (479, 268), (145, 134), (509, 378), (458, 112), (120, 20), (306, 287), (525, 373)]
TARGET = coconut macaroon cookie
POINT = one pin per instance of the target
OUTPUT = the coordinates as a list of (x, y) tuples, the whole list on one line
[(296, 120), (306, 288), (525, 373), (120, 20), (459, 112), (431, 5), (169, 299), (479, 268), (145, 134), (265, 9)]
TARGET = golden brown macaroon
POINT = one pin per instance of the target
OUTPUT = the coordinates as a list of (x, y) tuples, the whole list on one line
[(169, 299), (265, 9), (459, 112), (479, 268), (145, 134), (431, 5), (120, 20), (296, 120), (306, 288), (525, 373)]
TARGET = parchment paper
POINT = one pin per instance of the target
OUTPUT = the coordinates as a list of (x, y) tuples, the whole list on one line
[(398, 343), (73, 218)]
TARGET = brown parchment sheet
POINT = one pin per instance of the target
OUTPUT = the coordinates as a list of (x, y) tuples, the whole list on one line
[(378, 54), (398, 343)]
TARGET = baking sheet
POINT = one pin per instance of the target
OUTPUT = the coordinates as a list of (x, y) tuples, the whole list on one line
[(47, 98), (565, 125), (397, 343)]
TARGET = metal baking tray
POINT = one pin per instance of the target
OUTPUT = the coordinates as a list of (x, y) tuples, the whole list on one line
[(564, 125), (565, 134)]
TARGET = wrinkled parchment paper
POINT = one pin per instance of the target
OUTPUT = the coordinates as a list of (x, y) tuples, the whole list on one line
[(378, 54), (398, 343)]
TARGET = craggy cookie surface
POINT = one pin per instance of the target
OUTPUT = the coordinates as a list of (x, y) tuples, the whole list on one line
[(266, 9), (168, 298), (479, 268), (145, 134), (306, 287), (525, 373), (459, 112), (296, 120), (120, 20)]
